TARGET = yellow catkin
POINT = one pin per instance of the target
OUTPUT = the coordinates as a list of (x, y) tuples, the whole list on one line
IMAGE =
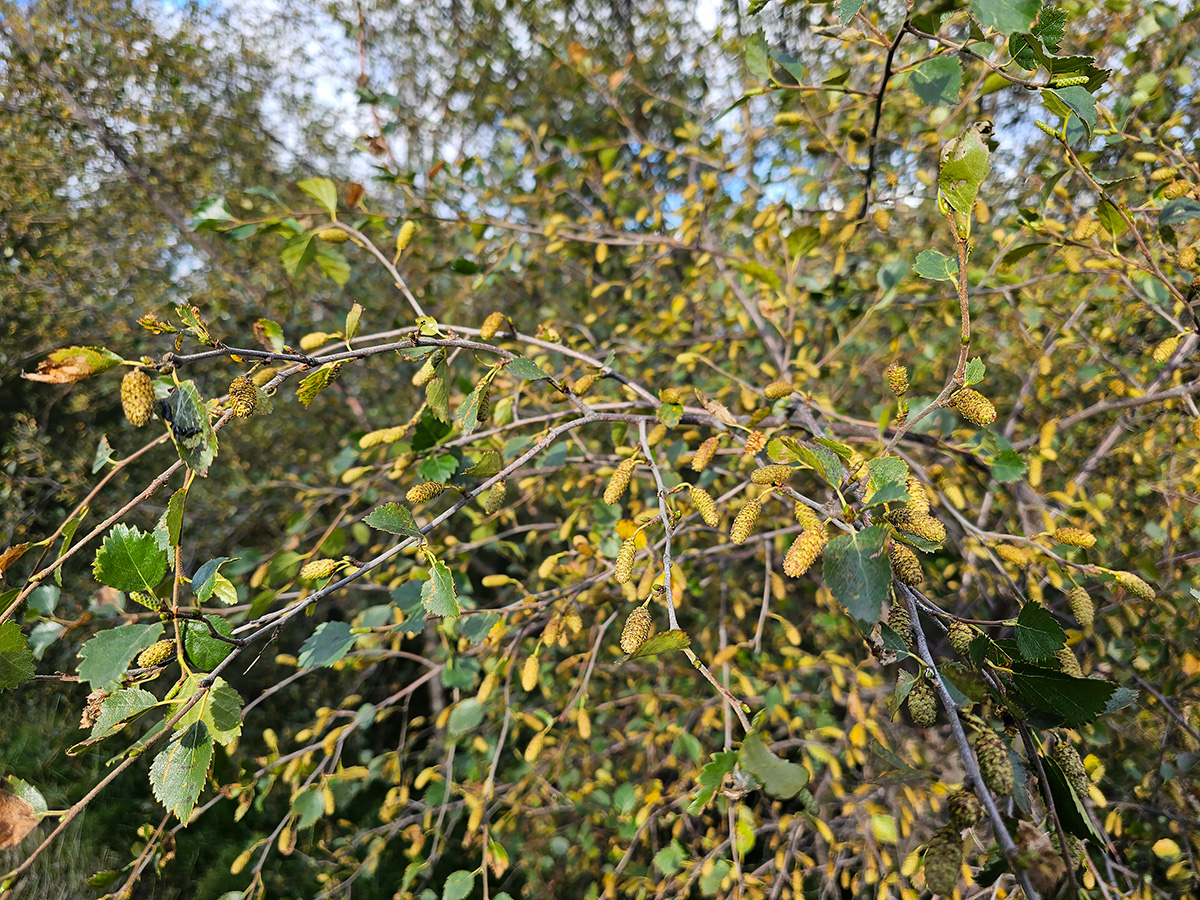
[(918, 500), (137, 397), (1180, 187), (636, 630), (895, 377), (1187, 258), (1085, 229), (486, 687), (774, 474), (618, 484), (491, 325), (1134, 585), (671, 395), (882, 218), (1164, 350), (778, 389), (705, 505), (1163, 173), (584, 724), (155, 653), (657, 433), (704, 454), (534, 748), (808, 518), (243, 397), (583, 384), (529, 673), (974, 407), (1018, 556), (405, 235), (424, 492), (905, 564), (755, 442), (745, 520), (495, 496), (805, 550), (624, 565), (332, 236), (1081, 605), (926, 527), (788, 119), (1073, 537), (316, 569)]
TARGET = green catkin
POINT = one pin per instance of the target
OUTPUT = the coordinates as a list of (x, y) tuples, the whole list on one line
[(495, 497), (994, 762), (1081, 605), (906, 567), (965, 809), (775, 474), (896, 378), (943, 860)]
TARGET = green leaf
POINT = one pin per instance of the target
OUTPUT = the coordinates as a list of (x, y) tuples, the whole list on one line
[(524, 369), (1080, 101), (270, 334), (886, 480), (756, 271), (475, 628), (353, 320), (1007, 16), (437, 468), (1038, 635), (326, 645), (712, 774), (187, 420), (458, 885), (438, 592), (1069, 806), (170, 524), (333, 265), (463, 266), (779, 778), (468, 411), (204, 651), (670, 414), (937, 81), (847, 10), (178, 772), (1050, 27), (298, 252), (313, 383), (663, 642), (394, 519), (965, 163), (858, 572), (975, 371), (308, 806), (223, 712), (1178, 211), (935, 266), (438, 398), (205, 579), (758, 61), (670, 858), (1008, 466), (106, 656), (488, 464), (323, 191), (210, 213), (464, 717), (129, 560), (16, 659), (1111, 218), (822, 461), (119, 709), (1076, 700)]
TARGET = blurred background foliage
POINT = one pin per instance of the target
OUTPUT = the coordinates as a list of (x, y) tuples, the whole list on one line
[(649, 187)]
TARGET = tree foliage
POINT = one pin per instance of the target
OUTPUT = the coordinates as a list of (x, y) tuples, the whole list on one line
[(752, 464)]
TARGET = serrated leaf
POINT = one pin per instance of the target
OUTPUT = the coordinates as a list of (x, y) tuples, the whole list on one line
[(438, 468), (663, 642), (1038, 635), (71, 364), (1075, 700), (103, 456), (119, 709), (935, 266), (937, 81), (712, 774), (194, 324), (1050, 27), (298, 252), (459, 885), (488, 464), (204, 581), (1178, 211), (16, 659), (106, 656), (186, 416), (965, 163), (468, 411), (975, 371), (847, 10), (203, 649), (1069, 806), (1007, 16), (170, 524), (178, 772), (438, 593), (476, 628), (437, 398), (858, 572), (1008, 466), (524, 369), (313, 383), (758, 61), (325, 646), (670, 414), (323, 191), (779, 778), (308, 806), (394, 519), (1081, 102)]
